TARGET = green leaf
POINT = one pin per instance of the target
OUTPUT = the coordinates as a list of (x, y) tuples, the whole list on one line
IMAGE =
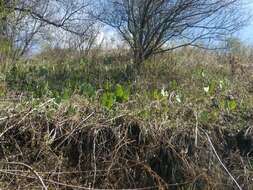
[(156, 95), (121, 93), (71, 110), (126, 95), (108, 100), (66, 94), (107, 86), (232, 105)]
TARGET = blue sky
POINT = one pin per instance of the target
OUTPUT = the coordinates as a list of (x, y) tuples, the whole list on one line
[(246, 34)]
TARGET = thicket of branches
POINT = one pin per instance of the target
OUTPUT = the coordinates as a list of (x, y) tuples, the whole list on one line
[(26, 23), (148, 26), (151, 27)]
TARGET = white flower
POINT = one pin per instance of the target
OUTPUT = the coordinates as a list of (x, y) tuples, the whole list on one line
[(221, 84), (178, 98), (206, 89), (203, 74), (164, 92)]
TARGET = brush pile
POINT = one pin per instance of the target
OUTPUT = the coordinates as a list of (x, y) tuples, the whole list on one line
[(46, 147)]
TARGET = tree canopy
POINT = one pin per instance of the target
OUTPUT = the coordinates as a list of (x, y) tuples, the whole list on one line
[(152, 26)]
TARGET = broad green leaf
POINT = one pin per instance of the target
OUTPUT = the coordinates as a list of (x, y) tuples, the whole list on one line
[(108, 100), (232, 105), (119, 91)]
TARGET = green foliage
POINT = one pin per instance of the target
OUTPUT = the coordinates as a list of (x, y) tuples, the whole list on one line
[(71, 110), (84, 61), (212, 87), (198, 87), (42, 81), (231, 105), (156, 95), (112, 95), (4, 11), (108, 60), (209, 116), (5, 46), (108, 100), (88, 90), (5, 43), (121, 93)]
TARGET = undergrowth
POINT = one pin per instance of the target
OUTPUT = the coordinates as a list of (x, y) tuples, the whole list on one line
[(91, 125)]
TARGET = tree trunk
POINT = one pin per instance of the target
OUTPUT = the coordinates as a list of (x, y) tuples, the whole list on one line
[(138, 62)]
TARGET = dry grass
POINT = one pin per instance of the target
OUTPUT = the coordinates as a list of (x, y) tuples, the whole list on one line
[(188, 139), (95, 150)]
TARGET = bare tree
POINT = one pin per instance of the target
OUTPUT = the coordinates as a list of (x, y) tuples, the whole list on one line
[(153, 26), (29, 21), (84, 43), (65, 14)]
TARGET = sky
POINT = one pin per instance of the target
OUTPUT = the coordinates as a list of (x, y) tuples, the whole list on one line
[(246, 34)]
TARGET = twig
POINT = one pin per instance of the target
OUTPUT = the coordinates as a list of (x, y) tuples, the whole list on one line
[(4, 118), (196, 129), (74, 130), (23, 118), (34, 109), (31, 169), (75, 186), (161, 183), (8, 117), (222, 164), (94, 158), (172, 94)]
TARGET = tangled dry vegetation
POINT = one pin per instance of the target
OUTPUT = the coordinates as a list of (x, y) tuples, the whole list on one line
[(195, 133), (92, 150)]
